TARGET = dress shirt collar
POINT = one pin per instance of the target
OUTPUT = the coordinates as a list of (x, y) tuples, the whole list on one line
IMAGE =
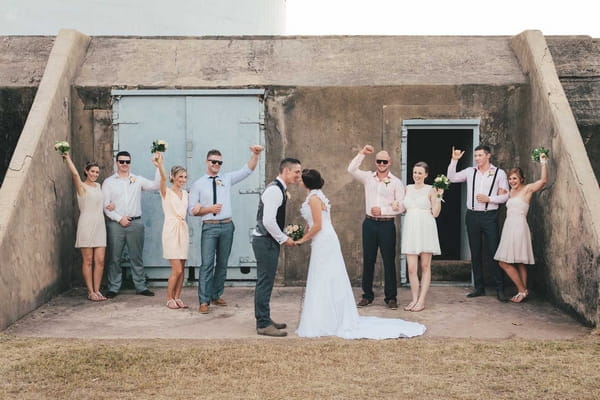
[(389, 175)]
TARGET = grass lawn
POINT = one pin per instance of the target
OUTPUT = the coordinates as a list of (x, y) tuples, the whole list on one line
[(423, 368)]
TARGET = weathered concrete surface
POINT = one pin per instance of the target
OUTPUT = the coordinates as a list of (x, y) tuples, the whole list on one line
[(298, 61), (326, 127), (36, 202), (577, 61), (565, 218), (448, 314)]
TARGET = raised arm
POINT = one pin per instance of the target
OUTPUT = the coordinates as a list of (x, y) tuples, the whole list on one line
[(316, 206), (159, 163), (454, 176), (359, 175), (256, 150), (75, 175), (540, 183)]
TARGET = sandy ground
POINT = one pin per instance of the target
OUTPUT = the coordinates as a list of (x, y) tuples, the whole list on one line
[(448, 314)]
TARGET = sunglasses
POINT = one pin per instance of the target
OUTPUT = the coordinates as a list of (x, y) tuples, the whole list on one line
[(124, 161), (384, 162), (216, 162)]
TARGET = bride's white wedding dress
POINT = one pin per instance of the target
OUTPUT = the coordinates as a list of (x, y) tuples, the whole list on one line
[(329, 308)]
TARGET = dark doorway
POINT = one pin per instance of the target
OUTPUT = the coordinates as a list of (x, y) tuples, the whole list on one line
[(434, 146)]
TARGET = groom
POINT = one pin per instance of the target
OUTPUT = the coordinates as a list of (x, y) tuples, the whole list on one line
[(267, 238)]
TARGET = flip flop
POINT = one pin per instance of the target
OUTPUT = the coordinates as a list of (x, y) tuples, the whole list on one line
[(181, 304), (172, 304)]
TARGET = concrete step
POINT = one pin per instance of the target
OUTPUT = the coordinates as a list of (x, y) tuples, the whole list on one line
[(451, 271)]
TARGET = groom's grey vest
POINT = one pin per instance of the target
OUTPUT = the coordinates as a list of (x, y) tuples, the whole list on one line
[(280, 218)]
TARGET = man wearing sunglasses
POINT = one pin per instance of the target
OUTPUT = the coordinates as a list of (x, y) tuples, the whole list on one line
[(125, 226), (384, 196), (210, 199)]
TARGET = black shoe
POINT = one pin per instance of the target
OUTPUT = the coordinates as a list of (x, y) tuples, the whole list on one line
[(476, 293), (110, 294), (146, 292), (393, 304), (501, 296)]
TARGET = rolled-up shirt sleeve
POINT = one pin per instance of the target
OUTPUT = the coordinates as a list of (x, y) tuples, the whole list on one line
[(272, 199)]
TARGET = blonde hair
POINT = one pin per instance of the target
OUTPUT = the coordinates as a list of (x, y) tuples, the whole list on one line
[(176, 170)]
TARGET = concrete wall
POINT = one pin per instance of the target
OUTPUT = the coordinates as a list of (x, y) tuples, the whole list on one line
[(565, 217), (36, 202)]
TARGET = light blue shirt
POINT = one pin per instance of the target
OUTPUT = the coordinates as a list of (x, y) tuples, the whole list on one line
[(202, 192)]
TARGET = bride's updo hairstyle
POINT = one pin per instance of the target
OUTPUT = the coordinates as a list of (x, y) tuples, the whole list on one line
[(312, 179)]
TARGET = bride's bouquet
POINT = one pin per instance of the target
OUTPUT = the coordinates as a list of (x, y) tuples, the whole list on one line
[(62, 147), (537, 152), (441, 182), (294, 231)]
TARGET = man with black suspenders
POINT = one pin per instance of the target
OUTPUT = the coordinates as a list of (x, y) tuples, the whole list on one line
[(487, 188)]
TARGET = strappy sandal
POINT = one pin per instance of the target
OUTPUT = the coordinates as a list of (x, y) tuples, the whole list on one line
[(410, 306), (181, 304), (172, 304), (93, 297), (418, 308), (519, 297), (101, 297)]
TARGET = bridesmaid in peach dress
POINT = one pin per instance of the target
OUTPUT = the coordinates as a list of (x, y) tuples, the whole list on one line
[(175, 234), (91, 229), (514, 250)]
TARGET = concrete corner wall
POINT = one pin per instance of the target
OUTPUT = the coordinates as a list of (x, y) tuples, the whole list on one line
[(565, 216), (36, 199)]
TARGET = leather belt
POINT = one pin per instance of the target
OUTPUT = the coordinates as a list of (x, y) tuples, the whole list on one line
[(380, 219), (481, 211), (217, 221), (134, 218)]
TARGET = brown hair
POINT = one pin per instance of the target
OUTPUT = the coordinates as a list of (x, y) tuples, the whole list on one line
[(89, 165), (517, 171), (423, 165), (175, 170)]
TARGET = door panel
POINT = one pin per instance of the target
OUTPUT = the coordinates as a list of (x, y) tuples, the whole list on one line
[(192, 125)]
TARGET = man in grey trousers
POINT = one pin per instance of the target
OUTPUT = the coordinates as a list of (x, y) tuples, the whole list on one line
[(267, 238)]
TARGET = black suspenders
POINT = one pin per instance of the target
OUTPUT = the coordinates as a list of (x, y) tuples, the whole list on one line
[(473, 189)]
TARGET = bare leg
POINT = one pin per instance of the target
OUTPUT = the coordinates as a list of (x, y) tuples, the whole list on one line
[(425, 281), (99, 253), (87, 254), (523, 275), (173, 279), (513, 274), (179, 283), (412, 261)]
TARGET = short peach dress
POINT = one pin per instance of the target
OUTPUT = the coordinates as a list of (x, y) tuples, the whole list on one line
[(175, 234)]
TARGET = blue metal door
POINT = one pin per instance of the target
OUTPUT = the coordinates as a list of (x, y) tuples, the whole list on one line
[(193, 122)]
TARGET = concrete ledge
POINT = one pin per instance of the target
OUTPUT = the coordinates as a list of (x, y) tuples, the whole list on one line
[(568, 210), (36, 201)]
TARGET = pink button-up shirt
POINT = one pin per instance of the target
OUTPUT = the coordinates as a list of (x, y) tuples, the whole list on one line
[(482, 185), (378, 193)]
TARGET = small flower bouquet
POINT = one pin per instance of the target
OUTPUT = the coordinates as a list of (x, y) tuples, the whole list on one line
[(62, 147), (294, 231), (537, 152), (158, 145), (386, 180), (441, 182)]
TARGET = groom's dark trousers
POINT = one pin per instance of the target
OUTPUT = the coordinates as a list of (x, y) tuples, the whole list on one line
[(266, 251), (382, 235)]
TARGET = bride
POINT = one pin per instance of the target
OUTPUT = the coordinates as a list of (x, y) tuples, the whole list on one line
[(329, 308)]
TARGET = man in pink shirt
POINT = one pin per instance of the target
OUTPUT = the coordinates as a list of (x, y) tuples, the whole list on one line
[(384, 195)]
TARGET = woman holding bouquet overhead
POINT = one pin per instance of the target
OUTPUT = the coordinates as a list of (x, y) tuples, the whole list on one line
[(514, 250), (175, 234), (91, 229), (423, 204)]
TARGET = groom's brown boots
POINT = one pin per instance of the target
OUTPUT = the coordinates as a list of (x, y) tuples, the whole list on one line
[(271, 331)]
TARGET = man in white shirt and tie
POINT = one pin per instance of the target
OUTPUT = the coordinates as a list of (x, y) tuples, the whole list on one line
[(125, 226), (210, 199), (487, 189)]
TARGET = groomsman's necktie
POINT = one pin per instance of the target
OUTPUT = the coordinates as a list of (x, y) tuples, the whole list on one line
[(214, 185)]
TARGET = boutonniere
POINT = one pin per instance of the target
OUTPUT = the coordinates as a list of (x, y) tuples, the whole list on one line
[(220, 182), (387, 181), (491, 172), (131, 179), (288, 195)]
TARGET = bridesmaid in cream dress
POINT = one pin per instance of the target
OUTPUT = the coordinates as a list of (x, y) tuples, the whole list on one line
[(175, 234), (514, 250), (91, 229)]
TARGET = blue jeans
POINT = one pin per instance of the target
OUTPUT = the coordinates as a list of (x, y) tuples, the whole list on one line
[(215, 248)]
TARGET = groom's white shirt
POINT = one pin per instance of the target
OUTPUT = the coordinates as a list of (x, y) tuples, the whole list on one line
[(272, 199)]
